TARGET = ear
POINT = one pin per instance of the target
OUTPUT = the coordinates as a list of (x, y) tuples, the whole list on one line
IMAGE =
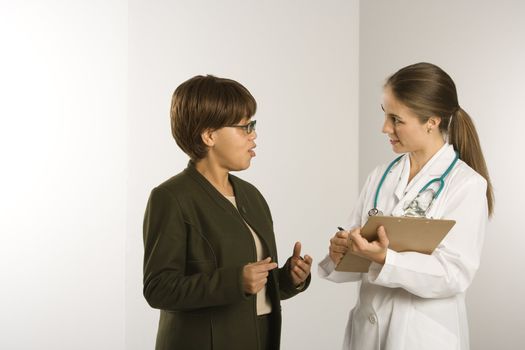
[(433, 122), (208, 137)]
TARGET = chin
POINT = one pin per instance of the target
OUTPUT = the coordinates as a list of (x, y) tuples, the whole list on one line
[(398, 149), (240, 167), (246, 166)]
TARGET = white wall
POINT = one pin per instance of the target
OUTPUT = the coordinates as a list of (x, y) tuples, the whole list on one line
[(299, 60), (481, 45), (80, 154), (63, 174)]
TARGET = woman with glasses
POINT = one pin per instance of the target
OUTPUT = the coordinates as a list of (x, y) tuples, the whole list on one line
[(409, 300), (210, 258)]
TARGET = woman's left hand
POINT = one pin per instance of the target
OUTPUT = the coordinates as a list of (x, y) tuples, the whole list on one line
[(375, 250), (299, 267)]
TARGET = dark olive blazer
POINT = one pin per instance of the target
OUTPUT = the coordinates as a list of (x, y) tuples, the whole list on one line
[(195, 246)]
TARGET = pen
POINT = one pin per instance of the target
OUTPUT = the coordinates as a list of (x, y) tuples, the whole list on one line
[(342, 229)]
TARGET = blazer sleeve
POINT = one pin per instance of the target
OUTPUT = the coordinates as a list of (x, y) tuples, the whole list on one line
[(286, 286), (166, 284), (284, 276), (449, 270)]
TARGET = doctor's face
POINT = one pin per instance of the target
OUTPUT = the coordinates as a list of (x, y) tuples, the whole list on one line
[(402, 125)]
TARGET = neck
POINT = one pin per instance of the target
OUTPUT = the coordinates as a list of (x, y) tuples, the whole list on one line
[(216, 175), (418, 159)]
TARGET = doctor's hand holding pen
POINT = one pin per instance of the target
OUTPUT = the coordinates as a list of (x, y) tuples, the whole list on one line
[(344, 241)]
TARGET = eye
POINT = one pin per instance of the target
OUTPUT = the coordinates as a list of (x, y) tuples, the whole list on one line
[(395, 119)]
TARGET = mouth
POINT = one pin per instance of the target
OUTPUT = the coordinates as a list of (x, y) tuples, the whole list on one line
[(394, 142), (251, 151)]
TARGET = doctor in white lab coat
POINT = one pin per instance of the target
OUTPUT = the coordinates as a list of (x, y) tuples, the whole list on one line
[(413, 301)]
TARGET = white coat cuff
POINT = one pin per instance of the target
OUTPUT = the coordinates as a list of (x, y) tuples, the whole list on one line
[(326, 270), (326, 267), (378, 273)]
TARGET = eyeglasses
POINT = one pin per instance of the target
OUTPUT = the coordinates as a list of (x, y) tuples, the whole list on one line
[(248, 128)]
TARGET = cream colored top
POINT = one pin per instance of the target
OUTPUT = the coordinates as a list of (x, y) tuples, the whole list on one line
[(264, 305)]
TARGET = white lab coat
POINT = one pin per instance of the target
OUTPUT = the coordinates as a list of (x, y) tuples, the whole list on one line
[(416, 301)]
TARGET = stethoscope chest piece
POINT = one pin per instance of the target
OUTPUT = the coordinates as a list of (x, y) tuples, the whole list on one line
[(374, 212)]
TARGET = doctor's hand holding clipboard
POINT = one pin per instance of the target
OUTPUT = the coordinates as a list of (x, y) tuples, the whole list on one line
[(352, 242), (409, 299)]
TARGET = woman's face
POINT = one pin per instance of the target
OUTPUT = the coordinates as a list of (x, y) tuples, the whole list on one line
[(402, 126), (233, 148)]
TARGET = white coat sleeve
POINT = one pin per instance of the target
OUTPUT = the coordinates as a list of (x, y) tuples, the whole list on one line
[(451, 267), (326, 268)]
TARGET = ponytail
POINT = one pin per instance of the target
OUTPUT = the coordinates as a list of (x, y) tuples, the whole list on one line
[(429, 91), (463, 136)]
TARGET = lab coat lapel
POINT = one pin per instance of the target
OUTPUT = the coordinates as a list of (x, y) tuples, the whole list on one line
[(403, 178), (434, 168)]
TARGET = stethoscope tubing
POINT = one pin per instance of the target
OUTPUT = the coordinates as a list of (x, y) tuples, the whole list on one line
[(441, 180)]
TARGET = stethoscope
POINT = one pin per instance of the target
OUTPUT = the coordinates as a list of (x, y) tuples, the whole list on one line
[(374, 211)]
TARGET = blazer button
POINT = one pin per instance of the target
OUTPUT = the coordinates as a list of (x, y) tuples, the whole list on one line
[(243, 209)]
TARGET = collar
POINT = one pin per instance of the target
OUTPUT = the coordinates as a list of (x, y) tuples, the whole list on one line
[(218, 197), (241, 212), (434, 168)]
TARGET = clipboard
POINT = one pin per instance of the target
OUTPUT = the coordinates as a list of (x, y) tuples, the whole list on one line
[(405, 234)]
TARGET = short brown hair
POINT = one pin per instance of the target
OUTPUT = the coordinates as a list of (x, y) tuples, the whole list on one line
[(207, 102)]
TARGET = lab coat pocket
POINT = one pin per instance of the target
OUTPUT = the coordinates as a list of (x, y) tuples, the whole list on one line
[(424, 333)]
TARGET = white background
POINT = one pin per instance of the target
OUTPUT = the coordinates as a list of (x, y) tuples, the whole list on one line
[(63, 69), (85, 90)]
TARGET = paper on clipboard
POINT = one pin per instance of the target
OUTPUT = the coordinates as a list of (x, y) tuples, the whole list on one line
[(404, 233)]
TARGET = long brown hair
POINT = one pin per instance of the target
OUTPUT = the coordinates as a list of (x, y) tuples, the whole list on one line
[(429, 91)]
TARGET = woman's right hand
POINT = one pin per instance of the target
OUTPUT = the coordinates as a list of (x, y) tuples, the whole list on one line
[(255, 275), (338, 246)]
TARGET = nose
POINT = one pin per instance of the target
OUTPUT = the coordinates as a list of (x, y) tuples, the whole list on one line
[(388, 127), (253, 135)]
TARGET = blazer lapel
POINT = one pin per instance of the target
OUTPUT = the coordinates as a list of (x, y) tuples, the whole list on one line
[(251, 217), (215, 195)]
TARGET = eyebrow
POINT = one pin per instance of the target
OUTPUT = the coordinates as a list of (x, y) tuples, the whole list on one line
[(392, 115)]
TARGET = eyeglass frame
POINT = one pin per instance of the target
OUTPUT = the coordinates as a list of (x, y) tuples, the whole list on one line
[(248, 128)]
